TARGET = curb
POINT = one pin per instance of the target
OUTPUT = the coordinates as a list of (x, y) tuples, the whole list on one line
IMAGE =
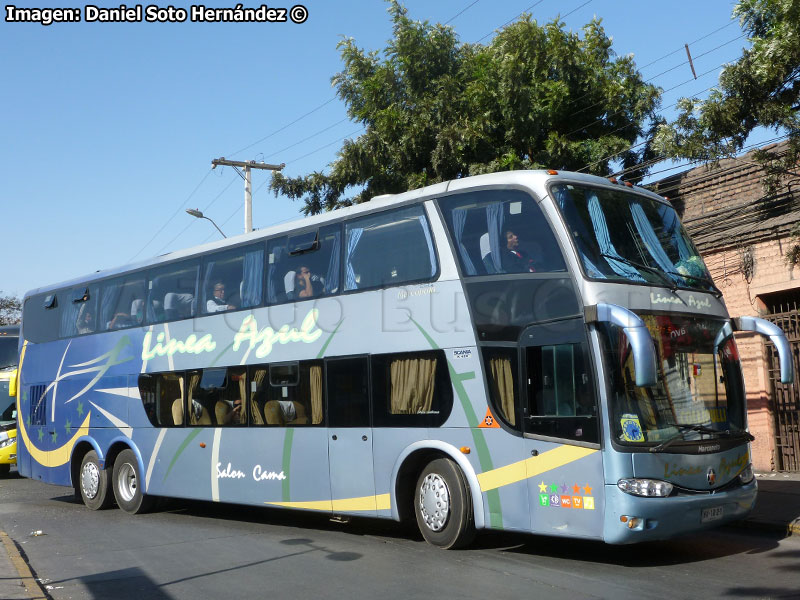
[(787, 529), (26, 578)]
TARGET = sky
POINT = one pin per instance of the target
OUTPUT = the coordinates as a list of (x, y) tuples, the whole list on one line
[(108, 129)]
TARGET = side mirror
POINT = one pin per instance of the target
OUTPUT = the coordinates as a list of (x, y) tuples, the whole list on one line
[(644, 351), (776, 336), (12, 384)]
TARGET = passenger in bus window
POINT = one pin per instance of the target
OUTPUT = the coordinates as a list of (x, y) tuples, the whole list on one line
[(514, 259), (85, 323), (307, 285), (218, 302)]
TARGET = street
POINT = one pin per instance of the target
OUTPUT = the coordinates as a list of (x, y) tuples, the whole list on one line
[(197, 549)]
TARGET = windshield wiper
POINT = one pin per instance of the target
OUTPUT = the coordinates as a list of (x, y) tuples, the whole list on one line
[(657, 272), (723, 433), (715, 290)]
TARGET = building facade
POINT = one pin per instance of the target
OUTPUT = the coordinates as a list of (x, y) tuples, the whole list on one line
[(750, 241)]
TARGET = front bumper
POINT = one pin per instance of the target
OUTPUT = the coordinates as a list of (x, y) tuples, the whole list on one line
[(663, 518)]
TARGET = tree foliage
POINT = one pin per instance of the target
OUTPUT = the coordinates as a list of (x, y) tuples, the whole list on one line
[(762, 88), (436, 109), (10, 310)]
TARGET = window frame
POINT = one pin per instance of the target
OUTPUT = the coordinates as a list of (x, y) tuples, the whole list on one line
[(371, 215), (243, 250), (578, 336)]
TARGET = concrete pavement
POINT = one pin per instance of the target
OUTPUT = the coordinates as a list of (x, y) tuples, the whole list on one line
[(777, 510)]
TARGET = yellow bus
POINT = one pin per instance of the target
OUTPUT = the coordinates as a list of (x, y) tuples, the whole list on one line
[(9, 340)]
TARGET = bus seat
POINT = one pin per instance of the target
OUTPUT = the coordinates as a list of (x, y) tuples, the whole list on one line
[(221, 411), (199, 414), (178, 305), (275, 414), (177, 412), (486, 254), (137, 311), (288, 284)]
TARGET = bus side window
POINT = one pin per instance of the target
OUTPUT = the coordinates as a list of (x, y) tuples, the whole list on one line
[(162, 397), (122, 302), (501, 375), (347, 380), (79, 314), (411, 389), (288, 394), (560, 398), (389, 248), (172, 292), (239, 273)]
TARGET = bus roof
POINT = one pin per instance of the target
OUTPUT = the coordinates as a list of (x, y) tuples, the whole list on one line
[(534, 179)]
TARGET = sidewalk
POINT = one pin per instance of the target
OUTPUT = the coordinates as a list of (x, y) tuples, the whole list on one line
[(777, 510), (16, 580)]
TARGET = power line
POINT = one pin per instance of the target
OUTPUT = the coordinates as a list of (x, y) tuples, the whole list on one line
[(728, 24), (193, 221), (325, 146), (461, 12), (197, 187), (301, 117), (530, 8), (313, 135)]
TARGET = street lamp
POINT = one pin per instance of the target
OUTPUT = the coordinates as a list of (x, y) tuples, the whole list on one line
[(195, 212)]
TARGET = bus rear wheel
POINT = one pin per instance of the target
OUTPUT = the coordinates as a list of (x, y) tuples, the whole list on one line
[(127, 481), (93, 483), (443, 505)]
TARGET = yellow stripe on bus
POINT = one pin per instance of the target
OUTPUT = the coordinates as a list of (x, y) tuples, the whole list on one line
[(59, 456), (531, 467), (381, 502)]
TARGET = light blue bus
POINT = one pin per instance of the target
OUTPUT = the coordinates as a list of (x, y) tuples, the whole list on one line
[(534, 351)]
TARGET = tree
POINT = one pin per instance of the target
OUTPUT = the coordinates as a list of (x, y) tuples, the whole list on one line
[(760, 89), (436, 109), (10, 310)]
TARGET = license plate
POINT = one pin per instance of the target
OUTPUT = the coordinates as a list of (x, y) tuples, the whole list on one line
[(711, 514)]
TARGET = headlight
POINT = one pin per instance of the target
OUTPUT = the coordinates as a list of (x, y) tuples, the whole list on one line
[(747, 475), (645, 487), (7, 442)]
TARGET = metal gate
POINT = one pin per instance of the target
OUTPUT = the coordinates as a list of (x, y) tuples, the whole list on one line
[(786, 398)]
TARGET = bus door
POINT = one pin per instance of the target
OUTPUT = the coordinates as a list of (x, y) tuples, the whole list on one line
[(350, 436), (562, 435)]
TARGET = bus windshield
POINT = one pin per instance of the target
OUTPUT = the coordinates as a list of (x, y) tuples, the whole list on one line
[(699, 394), (8, 351), (626, 236), (7, 403)]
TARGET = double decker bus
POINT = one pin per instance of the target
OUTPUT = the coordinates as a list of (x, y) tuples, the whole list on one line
[(534, 351)]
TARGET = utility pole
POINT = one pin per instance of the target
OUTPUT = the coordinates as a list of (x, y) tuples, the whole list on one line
[(248, 189)]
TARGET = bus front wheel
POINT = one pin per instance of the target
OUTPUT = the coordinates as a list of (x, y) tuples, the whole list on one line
[(443, 505), (128, 484), (93, 483)]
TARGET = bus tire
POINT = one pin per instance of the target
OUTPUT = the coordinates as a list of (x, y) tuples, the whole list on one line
[(93, 483), (127, 483), (5, 470), (443, 505)]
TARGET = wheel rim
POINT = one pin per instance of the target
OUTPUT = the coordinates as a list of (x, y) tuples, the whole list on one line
[(90, 480), (434, 502), (126, 482)]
